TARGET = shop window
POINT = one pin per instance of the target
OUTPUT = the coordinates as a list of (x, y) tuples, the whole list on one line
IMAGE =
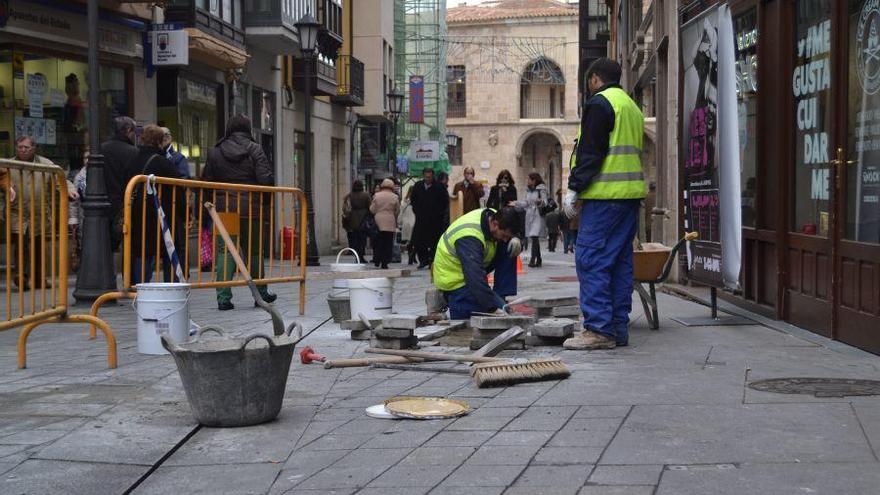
[(193, 119), (456, 82), (372, 146), (811, 86), (746, 46), (46, 97), (863, 176)]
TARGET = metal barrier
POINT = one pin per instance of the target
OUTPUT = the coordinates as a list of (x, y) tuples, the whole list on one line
[(35, 239), (262, 213)]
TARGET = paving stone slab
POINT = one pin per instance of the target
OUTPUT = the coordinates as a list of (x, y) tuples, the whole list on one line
[(434, 301), (500, 322), (626, 475), (516, 345), (445, 489), (405, 475), (778, 479), (621, 490), (459, 438), (817, 432), (478, 423), (497, 455), (358, 324), (553, 300), (361, 334), (43, 476), (536, 438), (401, 321), (241, 478), (541, 490), (573, 476), (408, 490), (470, 475), (392, 333), (561, 456), (573, 311), (553, 327), (438, 456)]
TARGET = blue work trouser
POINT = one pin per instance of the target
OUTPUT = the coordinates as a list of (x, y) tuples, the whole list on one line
[(461, 301), (604, 255)]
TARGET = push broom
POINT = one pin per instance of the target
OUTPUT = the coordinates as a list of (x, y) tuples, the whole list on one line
[(494, 372)]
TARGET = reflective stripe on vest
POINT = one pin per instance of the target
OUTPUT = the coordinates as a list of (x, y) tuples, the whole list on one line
[(446, 270), (621, 175)]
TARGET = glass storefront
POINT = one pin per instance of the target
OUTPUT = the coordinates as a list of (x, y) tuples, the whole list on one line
[(193, 120), (46, 97), (746, 45), (863, 175), (811, 84)]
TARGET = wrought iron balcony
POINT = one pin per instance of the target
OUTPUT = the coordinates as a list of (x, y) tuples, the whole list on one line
[(270, 24), (349, 81), (323, 77), (189, 14)]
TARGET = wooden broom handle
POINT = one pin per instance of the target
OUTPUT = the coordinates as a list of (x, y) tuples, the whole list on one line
[(359, 362), (435, 356)]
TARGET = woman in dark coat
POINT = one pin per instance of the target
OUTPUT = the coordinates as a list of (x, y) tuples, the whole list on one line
[(502, 194), (355, 208), (150, 160)]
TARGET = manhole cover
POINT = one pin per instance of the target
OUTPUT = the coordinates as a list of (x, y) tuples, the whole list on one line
[(818, 387)]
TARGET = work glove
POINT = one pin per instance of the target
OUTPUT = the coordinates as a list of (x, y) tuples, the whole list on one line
[(514, 247), (569, 204), (500, 312)]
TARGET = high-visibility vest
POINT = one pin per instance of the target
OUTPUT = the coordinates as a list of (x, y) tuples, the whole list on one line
[(621, 175), (446, 269)]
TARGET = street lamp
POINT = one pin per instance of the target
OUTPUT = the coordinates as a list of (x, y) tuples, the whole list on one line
[(97, 274), (308, 28), (395, 106)]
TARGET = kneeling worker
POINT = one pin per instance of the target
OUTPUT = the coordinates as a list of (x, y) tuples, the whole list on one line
[(475, 245)]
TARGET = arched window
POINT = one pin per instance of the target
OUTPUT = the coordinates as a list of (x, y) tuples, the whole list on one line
[(542, 91)]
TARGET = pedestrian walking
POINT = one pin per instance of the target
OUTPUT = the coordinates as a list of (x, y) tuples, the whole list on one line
[(471, 190), (177, 158), (355, 208), (535, 200), (385, 207), (238, 159), (552, 221), (607, 177), (500, 195), (146, 242), (118, 152), (430, 203)]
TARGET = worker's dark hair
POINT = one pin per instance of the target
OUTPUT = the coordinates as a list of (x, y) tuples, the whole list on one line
[(238, 123), (508, 219), (608, 70)]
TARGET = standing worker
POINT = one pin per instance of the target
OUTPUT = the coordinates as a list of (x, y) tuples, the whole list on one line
[(607, 176), (476, 244)]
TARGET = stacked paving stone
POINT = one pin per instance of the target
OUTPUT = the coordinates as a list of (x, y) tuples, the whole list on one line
[(557, 315), (486, 328), (396, 332), (360, 330), (551, 331)]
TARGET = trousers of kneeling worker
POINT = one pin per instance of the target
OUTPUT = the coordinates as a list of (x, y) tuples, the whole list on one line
[(477, 244)]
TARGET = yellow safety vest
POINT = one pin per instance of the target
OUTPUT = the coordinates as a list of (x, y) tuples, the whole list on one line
[(446, 269), (621, 175)]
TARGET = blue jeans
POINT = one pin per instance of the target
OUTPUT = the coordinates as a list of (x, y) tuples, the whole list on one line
[(462, 303), (604, 261)]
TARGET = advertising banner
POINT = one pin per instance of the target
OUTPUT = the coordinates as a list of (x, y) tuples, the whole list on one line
[(416, 99), (711, 149)]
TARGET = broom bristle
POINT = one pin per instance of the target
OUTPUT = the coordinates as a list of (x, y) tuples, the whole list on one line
[(512, 372)]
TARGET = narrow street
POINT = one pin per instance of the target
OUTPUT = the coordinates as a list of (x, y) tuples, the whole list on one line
[(670, 414)]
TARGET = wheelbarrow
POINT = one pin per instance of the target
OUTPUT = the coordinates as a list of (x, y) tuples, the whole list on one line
[(651, 265)]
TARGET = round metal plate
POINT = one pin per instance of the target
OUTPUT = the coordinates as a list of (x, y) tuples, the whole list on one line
[(426, 407), (818, 387)]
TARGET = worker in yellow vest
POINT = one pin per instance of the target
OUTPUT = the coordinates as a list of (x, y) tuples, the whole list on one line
[(476, 244), (608, 180)]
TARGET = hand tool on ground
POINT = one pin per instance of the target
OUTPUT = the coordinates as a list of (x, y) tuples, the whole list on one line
[(491, 372), (308, 356), (414, 367)]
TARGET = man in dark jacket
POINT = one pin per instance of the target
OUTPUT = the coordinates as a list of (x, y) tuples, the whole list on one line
[(238, 159), (118, 152), (430, 204)]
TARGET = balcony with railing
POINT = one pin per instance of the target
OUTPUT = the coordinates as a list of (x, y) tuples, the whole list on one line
[(540, 108), (222, 21), (456, 109), (349, 81), (271, 24)]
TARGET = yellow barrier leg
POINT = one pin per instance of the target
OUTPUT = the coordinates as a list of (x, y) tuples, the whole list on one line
[(26, 331), (100, 301)]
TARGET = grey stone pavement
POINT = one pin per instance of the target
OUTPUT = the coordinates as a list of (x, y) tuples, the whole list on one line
[(670, 414)]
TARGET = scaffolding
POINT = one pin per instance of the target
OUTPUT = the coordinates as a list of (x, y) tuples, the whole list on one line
[(420, 50)]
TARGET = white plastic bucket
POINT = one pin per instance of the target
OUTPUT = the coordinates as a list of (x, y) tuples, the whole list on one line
[(371, 297), (161, 307), (340, 285)]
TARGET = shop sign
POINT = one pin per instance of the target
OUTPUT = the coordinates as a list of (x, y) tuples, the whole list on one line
[(711, 148), (424, 151), (197, 92), (170, 46), (47, 23)]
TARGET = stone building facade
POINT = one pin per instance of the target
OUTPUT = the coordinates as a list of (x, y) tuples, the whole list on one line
[(512, 69)]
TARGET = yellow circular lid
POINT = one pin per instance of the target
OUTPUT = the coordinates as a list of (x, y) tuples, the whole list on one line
[(426, 407)]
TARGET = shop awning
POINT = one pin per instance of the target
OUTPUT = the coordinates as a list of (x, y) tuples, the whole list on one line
[(214, 52)]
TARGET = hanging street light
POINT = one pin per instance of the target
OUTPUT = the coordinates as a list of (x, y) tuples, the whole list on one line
[(395, 106)]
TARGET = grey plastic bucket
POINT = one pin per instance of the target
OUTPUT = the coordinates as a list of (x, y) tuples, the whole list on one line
[(233, 381)]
